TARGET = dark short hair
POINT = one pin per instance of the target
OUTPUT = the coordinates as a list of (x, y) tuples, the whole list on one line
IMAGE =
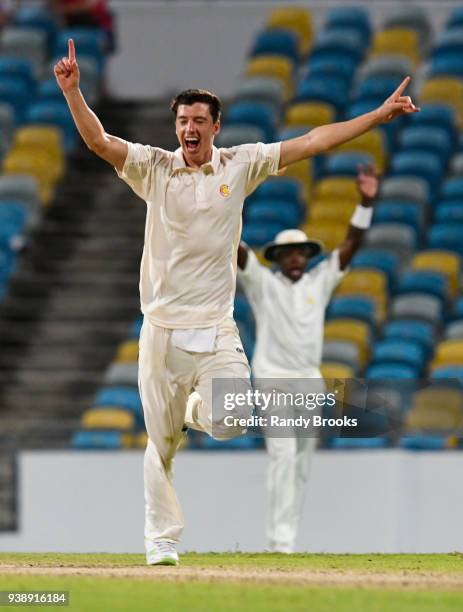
[(190, 96)]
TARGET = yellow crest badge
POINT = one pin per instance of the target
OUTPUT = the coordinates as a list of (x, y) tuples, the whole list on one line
[(224, 191)]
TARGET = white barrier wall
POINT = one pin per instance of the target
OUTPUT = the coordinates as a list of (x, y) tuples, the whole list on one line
[(383, 501), (168, 46)]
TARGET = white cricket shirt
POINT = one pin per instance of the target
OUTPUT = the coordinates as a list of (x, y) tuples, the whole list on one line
[(289, 316), (193, 227)]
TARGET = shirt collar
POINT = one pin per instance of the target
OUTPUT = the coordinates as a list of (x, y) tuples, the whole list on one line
[(179, 161)]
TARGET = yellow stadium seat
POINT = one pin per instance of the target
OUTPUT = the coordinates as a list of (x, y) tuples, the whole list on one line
[(310, 114), (436, 409), (331, 234), (332, 369), (448, 352), (444, 90), (261, 259), (127, 352), (141, 440), (331, 188), (294, 18), (397, 41), (45, 135), (108, 418), (351, 330), (40, 167), (302, 170), (369, 283), (331, 211), (277, 66), (446, 262), (372, 142)]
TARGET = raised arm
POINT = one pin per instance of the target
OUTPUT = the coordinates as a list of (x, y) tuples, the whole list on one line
[(326, 137), (110, 148), (367, 183)]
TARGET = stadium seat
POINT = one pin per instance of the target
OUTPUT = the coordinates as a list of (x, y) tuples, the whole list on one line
[(424, 281), (310, 114), (346, 164), (121, 397), (238, 134), (54, 113), (41, 168), (26, 43), (446, 236), (342, 351), (412, 18), (386, 372), (350, 330), (454, 330), (331, 211), (261, 89), (445, 262), (89, 41), (448, 352), (341, 188), (427, 166), (435, 410), (353, 307), (411, 329), (395, 66), (15, 92), (325, 89), (277, 41), (122, 374), (406, 213), (350, 17), (127, 352), (330, 234), (452, 189), (20, 69), (407, 188), (379, 259), (378, 86), (398, 351), (428, 139), (101, 440), (446, 65), (347, 42), (420, 306), (444, 90), (332, 370), (398, 41), (257, 114), (288, 213), (293, 18), (280, 188), (448, 376), (256, 234), (397, 237), (372, 143), (332, 64), (273, 66), (435, 115), (450, 211), (108, 419)]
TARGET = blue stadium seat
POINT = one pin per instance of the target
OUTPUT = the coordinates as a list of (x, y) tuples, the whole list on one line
[(359, 443), (49, 90), (448, 64), (378, 86), (435, 115), (392, 371), (397, 351), (449, 41), (330, 89), (331, 64), (97, 440), (36, 17), (276, 41), (125, 397), (279, 188), (379, 259), (452, 189), (242, 443), (259, 114), (347, 42), (345, 164), (427, 139), (288, 212), (424, 281), (423, 442), (352, 17), (450, 211), (411, 329), (448, 375), (353, 307), (408, 213), (14, 212), (136, 328), (89, 42), (18, 68), (15, 92), (446, 236), (424, 165), (455, 19), (54, 112), (458, 308), (256, 234)]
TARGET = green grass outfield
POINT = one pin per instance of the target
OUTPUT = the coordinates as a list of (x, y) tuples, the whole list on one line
[(238, 581)]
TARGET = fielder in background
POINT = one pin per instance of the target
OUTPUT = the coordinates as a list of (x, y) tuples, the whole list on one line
[(289, 308), (194, 199)]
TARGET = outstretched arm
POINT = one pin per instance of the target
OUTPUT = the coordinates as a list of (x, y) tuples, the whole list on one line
[(110, 148), (326, 137), (367, 183)]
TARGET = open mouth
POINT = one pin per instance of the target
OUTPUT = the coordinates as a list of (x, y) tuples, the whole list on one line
[(295, 272), (192, 144)]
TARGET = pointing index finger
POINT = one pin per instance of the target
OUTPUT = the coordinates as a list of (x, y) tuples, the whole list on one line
[(400, 89), (72, 51)]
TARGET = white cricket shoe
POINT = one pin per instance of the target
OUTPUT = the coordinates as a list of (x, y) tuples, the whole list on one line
[(161, 553)]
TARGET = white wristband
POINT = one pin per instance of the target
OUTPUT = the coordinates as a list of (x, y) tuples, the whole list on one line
[(362, 217)]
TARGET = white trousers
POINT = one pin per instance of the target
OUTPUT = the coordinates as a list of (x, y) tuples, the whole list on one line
[(287, 476), (167, 375)]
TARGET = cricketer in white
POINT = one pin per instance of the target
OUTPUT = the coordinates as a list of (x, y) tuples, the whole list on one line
[(194, 199), (289, 308)]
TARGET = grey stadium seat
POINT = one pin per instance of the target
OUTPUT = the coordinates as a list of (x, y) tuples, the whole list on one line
[(122, 374), (386, 65), (405, 188), (233, 135), (264, 89), (456, 165), (342, 351), (412, 17), (396, 237), (417, 306), (26, 43), (22, 188), (454, 331)]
